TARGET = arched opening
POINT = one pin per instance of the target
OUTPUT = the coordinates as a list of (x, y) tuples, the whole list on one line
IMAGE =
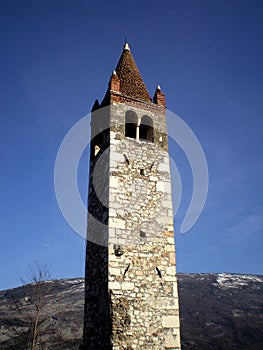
[(146, 128), (131, 122)]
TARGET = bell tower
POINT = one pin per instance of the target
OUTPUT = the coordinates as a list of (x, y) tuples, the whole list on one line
[(131, 299)]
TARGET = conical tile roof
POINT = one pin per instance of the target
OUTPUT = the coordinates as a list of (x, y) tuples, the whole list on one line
[(131, 83)]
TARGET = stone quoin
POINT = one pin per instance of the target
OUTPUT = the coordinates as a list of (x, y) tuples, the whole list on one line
[(131, 299)]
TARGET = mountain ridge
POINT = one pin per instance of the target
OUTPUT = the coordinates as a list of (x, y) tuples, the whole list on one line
[(218, 311)]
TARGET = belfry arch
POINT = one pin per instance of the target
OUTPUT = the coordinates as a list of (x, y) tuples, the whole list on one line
[(146, 129), (131, 122)]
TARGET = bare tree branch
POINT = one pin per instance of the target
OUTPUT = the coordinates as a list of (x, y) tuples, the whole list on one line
[(31, 307)]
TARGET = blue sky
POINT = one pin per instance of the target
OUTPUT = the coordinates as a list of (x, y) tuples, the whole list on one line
[(56, 59)]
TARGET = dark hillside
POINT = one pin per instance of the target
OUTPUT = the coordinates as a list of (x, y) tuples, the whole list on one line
[(218, 311)]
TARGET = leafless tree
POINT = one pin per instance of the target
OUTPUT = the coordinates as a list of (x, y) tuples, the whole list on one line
[(30, 308)]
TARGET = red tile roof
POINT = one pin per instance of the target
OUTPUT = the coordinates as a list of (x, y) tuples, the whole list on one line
[(131, 83)]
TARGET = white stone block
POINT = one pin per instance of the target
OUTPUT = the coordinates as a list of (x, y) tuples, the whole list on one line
[(113, 163), (153, 178), (166, 160), (170, 240), (114, 271), (112, 231), (170, 270), (163, 220), (114, 142), (167, 187), (114, 182), (127, 286), (113, 240), (112, 212), (118, 157), (176, 304), (164, 167), (114, 285), (163, 186), (175, 290), (171, 341), (169, 248), (170, 278), (167, 204), (160, 186), (170, 321), (112, 134), (117, 223)]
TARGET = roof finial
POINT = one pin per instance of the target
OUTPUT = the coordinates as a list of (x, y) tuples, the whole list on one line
[(126, 45), (158, 87)]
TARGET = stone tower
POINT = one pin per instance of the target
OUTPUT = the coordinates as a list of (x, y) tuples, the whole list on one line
[(131, 299)]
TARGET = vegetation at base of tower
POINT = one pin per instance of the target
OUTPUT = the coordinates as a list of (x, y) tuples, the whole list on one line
[(29, 308)]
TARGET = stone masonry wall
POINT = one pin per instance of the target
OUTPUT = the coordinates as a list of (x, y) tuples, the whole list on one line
[(142, 275), (131, 299)]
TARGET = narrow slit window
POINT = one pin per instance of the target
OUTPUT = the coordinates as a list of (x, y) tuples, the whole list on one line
[(126, 270), (159, 272)]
